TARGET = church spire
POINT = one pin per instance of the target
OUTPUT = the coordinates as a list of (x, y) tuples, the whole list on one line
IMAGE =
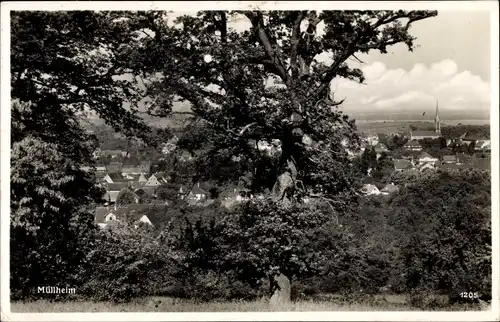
[(437, 121)]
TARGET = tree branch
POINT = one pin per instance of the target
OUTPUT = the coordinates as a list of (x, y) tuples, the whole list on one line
[(272, 53), (295, 44), (353, 45)]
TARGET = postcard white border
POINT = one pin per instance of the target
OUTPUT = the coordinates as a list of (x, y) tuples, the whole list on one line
[(6, 7)]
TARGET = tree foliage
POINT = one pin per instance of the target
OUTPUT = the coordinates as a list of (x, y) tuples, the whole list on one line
[(68, 63), (445, 226), (225, 76), (126, 196), (51, 223)]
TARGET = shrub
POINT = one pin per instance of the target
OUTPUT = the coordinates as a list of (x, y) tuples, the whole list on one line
[(127, 263), (445, 233)]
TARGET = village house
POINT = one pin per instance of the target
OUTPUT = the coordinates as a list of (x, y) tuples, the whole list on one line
[(142, 168), (114, 178), (449, 159), (183, 191), (152, 183), (389, 189), (413, 145), (426, 158), (152, 215), (155, 180), (113, 189), (100, 168), (420, 135), (197, 193), (114, 153), (426, 166), (114, 167), (380, 148), (483, 145), (402, 165), (370, 189), (371, 139)]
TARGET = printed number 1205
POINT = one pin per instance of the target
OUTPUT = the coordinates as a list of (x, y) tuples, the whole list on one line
[(469, 295)]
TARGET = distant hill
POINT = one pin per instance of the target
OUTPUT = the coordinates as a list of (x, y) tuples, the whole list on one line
[(448, 116)]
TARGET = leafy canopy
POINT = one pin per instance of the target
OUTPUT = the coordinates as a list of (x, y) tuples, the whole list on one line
[(267, 83)]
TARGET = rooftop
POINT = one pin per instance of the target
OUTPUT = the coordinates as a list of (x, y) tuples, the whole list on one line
[(425, 155), (413, 143), (424, 133), (402, 164), (390, 188)]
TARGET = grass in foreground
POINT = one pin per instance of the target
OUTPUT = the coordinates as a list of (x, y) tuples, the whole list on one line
[(167, 304)]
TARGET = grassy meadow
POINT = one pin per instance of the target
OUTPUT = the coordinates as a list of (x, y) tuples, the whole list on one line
[(168, 304), (387, 127)]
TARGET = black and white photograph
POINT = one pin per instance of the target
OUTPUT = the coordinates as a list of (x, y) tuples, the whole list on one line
[(250, 160)]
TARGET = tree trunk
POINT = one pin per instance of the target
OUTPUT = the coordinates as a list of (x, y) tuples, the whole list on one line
[(282, 295), (285, 183)]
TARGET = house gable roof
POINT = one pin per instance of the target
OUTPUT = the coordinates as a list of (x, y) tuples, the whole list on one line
[(198, 191), (114, 167), (424, 155), (153, 181), (369, 188), (100, 214), (112, 152), (449, 158), (117, 186), (111, 196), (133, 212), (116, 177), (390, 188), (413, 144), (400, 164)]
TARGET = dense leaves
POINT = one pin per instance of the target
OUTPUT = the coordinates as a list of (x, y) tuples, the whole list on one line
[(126, 196), (51, 219), (67, 63), (267, 84), (446, 228)]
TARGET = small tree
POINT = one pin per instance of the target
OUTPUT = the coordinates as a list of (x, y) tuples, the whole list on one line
[(168, 192), (125, 197), (144, 196), (263, 238)]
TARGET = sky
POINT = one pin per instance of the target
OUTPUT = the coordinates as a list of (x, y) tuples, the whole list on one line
[(449, 66)]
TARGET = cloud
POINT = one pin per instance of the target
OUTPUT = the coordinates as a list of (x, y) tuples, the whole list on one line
[(416, 90)]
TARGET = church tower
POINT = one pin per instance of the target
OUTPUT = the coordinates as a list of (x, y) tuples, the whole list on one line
[(437, 121)]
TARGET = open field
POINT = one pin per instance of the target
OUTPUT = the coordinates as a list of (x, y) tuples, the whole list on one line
[(166, 304), (391, 126), (404, 126)]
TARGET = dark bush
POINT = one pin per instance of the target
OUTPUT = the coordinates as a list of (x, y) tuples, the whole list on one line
[(126, 264)]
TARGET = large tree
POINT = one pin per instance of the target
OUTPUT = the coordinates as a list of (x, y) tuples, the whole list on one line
[(63, 65), (269, 83), (69, 64)]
